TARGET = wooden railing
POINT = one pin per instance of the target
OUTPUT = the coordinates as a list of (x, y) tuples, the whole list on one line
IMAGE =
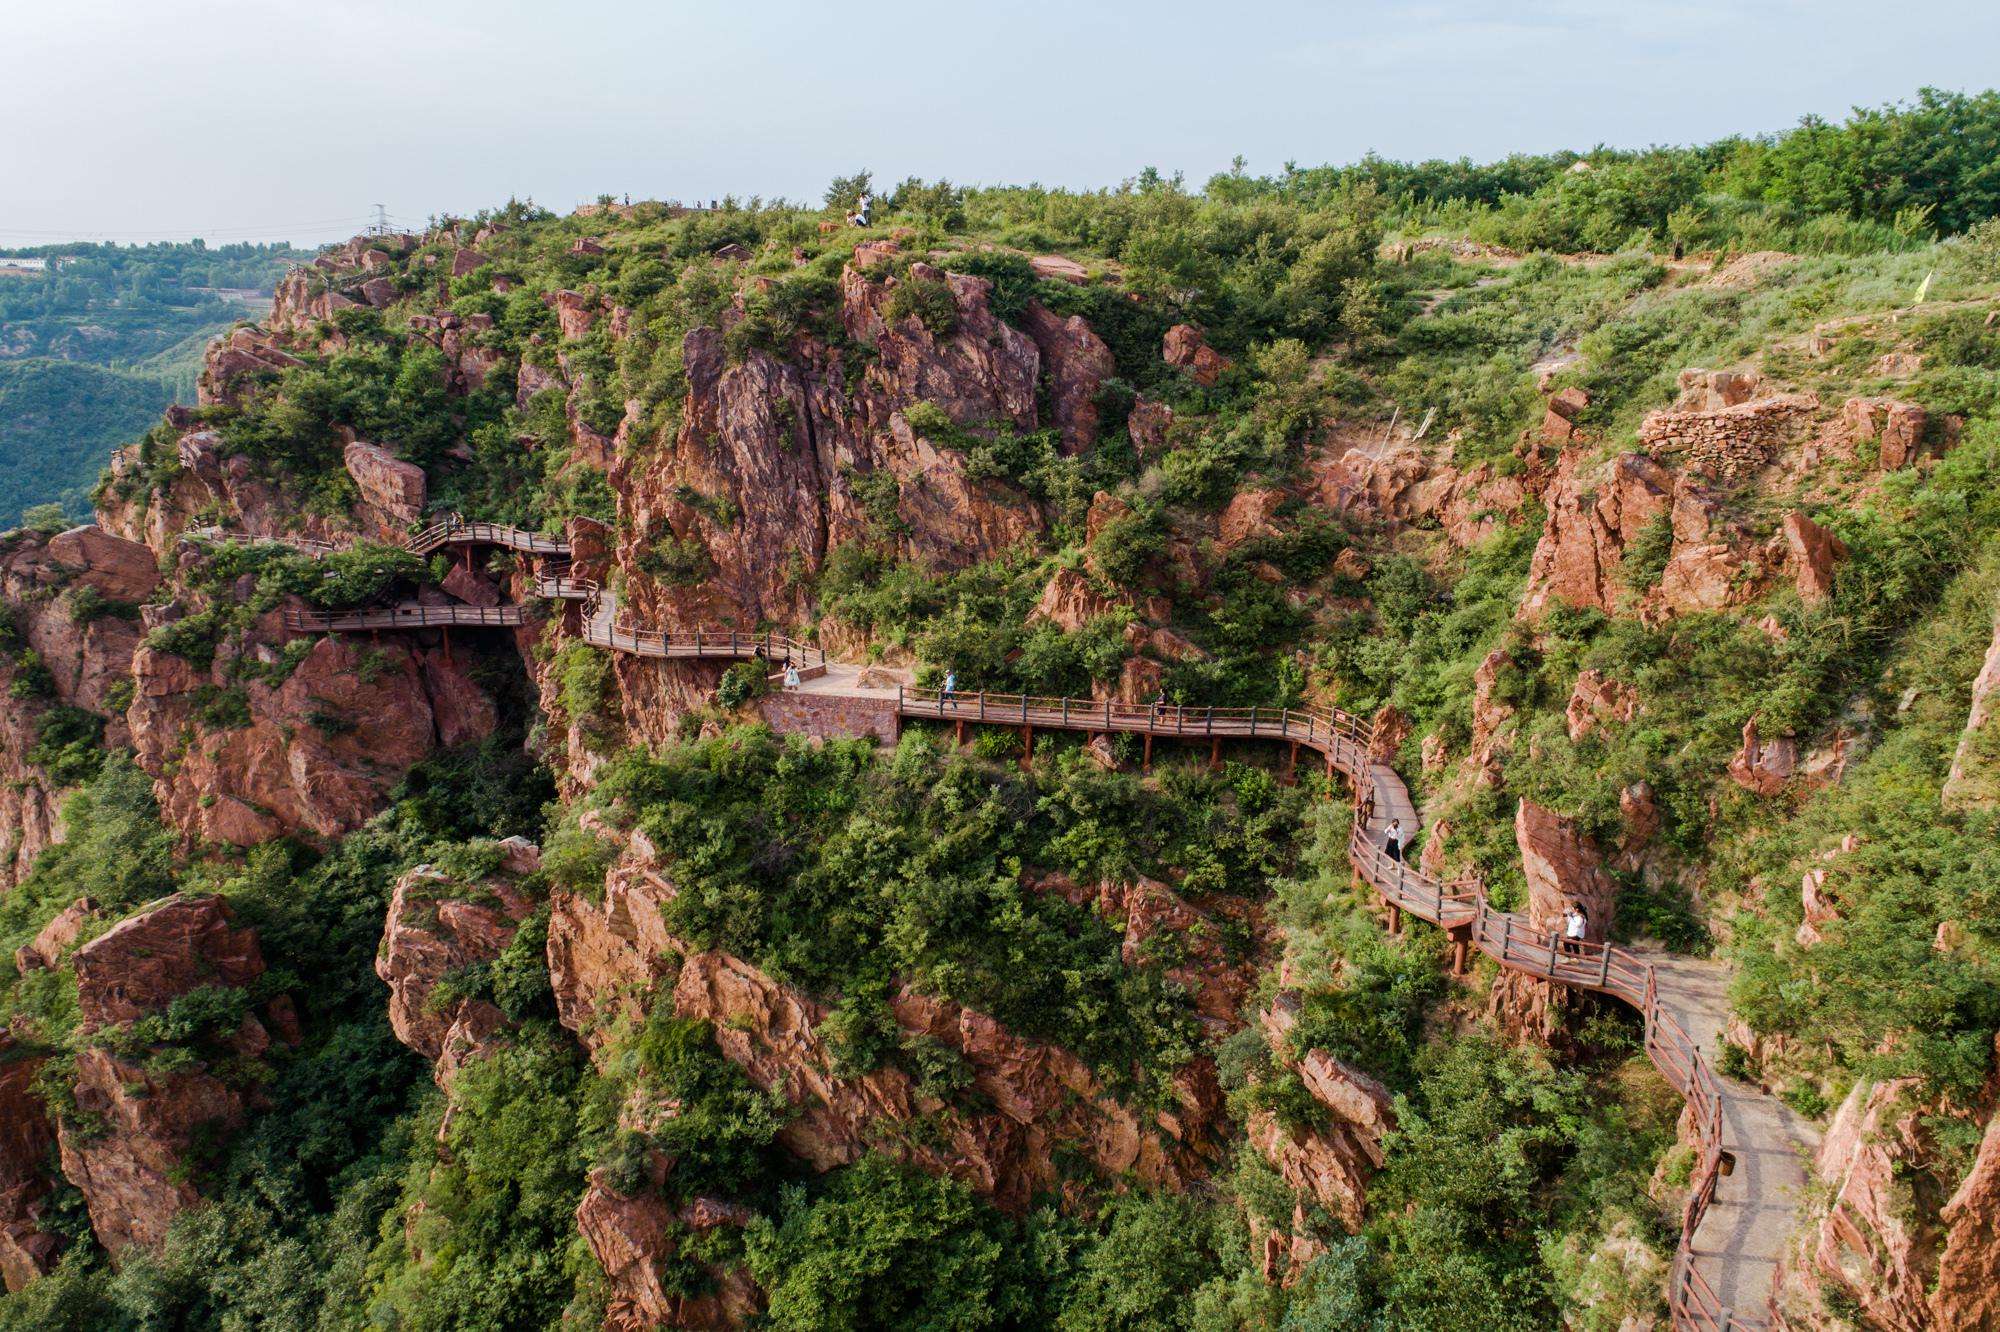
[(407, 616), (565, 587), (312, 546), (691, 644), (1509, 938), (452, 530)]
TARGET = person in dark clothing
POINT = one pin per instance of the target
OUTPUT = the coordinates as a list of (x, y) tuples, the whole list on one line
[(1392, 841)]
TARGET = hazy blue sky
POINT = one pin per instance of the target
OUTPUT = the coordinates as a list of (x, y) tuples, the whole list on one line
[(138, 119)]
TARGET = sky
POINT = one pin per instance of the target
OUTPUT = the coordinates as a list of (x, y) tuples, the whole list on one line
[(288, 120)]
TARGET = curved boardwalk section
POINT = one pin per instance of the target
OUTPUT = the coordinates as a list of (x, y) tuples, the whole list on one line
[(1747, 1176)]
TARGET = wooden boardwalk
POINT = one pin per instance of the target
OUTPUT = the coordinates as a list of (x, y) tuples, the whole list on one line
[(1744, 1188), (409, 615)]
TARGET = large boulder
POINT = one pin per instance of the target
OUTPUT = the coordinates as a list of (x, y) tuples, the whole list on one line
[(1070, 602), (119, 569), (181, 943), (392, 491)]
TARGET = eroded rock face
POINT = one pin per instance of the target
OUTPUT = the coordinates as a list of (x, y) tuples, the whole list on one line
[(26, 1138), (133, 1174), (42, 583), (1974, 779), (1763, 766), (1869, 1243), (141, 965), (131, 1147), (1333, 1161), (1078, 363), (631, 1235), (612, 959), (1593, 515), (316, 753), (779, 460), (434, 929), (1966, 1293), (1561, 867)]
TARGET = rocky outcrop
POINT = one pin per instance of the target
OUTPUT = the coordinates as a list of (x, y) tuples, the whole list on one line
[(777, 461), (1394, 482), (1974, 779), (1042, 1095), (1815, 553), (52, 942), (631, 1235), (133, 1142), (1490, 715), (1595, 700), (1186, 348), (1896, 428), (1561, 867), (1330, 1162), (436, 929), (610, 960), (142, 964), (1078, 363), (316, 752), (26, 1139), (392, 491), (1564, 409), (246, 355), (1249, 516), (1869, 1244), (1764, 766), (1594, 513), (1965, 1294), (1069, 602), (133, 1163), (69, 598)]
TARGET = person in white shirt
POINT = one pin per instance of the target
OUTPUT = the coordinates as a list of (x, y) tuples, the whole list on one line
[(1575, 925), (791, 675), (1392, 841)]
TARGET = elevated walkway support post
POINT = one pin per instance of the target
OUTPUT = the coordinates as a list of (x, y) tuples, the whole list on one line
[(1146, 766), (1027, 746)]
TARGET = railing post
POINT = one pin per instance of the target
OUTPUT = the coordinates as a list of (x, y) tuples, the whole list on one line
[(1506, 935), (982, 705), (1065, 711), (1604, 968)]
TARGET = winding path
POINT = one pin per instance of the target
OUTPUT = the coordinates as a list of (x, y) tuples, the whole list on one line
[(1748, 1177)]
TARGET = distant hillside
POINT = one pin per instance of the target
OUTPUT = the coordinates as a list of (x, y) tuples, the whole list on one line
[(97, 342)]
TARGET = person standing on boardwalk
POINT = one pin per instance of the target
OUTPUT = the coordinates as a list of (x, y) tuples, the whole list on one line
[(950, 692), (791, 675), (1392, 841), (1575, 925)]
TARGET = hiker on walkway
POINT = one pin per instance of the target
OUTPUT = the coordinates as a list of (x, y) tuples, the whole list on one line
[(1160, 706), (1576, 924), (791, 675), (1392, 841), (949, 694)]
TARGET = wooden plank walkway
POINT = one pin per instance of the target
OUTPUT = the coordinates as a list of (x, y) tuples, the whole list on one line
[(1745, 1186)]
